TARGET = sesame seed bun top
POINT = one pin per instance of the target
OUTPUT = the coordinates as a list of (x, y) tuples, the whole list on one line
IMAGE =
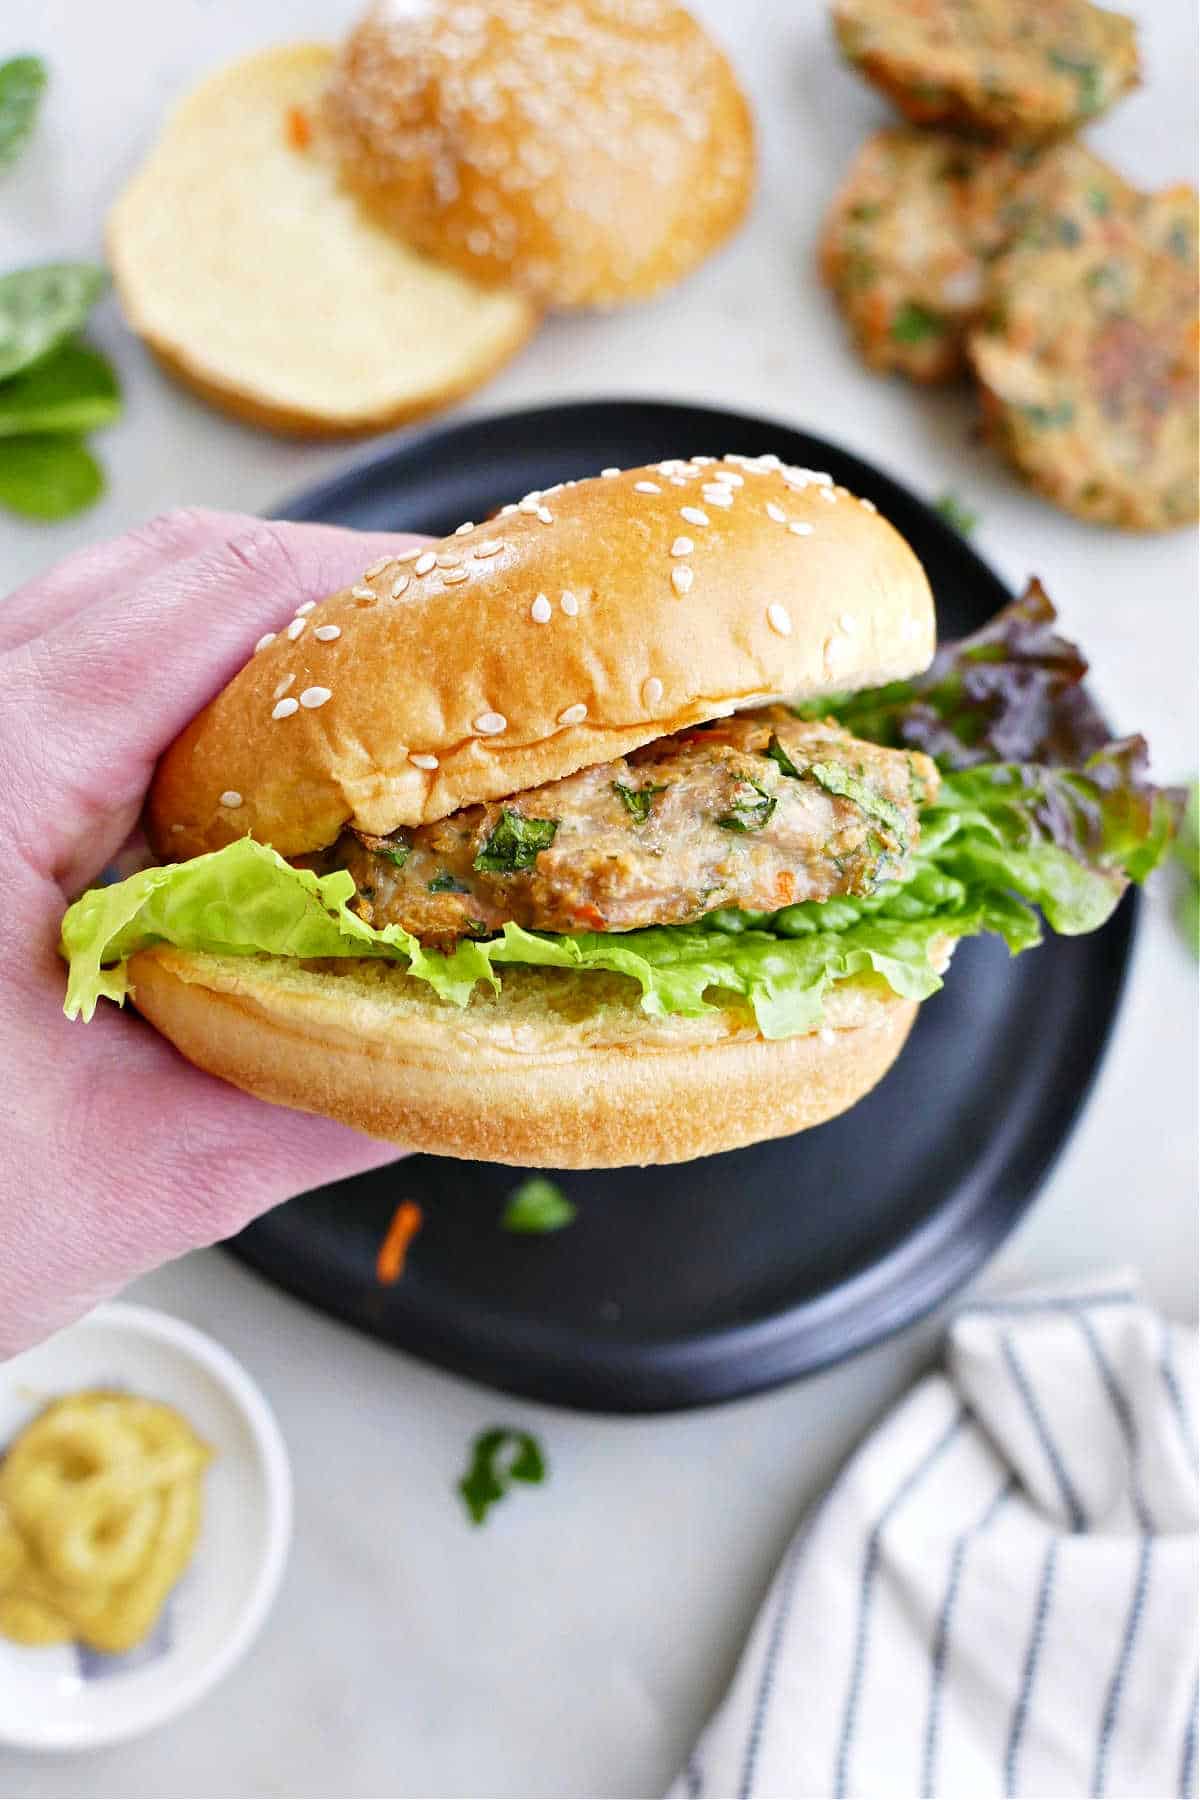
[(586, 153), (580, 623)]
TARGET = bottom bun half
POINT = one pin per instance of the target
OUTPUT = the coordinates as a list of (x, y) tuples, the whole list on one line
[(557, 1071)]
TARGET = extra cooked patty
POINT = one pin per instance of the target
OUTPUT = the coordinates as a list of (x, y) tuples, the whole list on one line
[(759, 812), (1087, 353), (907, 243), (1022, 70)]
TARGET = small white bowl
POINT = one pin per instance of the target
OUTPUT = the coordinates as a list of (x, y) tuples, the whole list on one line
[(65, 1698)]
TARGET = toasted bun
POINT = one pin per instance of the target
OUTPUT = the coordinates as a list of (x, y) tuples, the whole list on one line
[(260, 282), (561, 1070), (589, 154), (579, 624)]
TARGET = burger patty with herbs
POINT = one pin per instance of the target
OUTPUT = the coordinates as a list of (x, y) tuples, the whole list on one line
[(759, 812)]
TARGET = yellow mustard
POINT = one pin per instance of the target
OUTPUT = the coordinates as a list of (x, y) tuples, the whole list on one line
[(100, 1503)]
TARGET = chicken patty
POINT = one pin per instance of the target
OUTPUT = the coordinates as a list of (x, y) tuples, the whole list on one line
[(1087, 350), (907, 242), (1021, 70), (758, 812)]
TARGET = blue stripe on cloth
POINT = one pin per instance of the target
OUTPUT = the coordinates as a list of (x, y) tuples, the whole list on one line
[(1068, 1304), (1187, 1761), (694, 1777), (1125, 1419), (1175, 1394), (1041, 1612), (941, 1641), (788, 1577), (1112, 1702), (867, 1592), (1066, 1488)]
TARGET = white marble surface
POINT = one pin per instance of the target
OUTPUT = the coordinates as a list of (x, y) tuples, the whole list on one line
[(574, 1646)]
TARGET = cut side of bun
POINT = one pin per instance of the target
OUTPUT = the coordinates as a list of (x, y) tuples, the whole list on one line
[(264, 286), (589, 154), (582, 622), (560, 1070)]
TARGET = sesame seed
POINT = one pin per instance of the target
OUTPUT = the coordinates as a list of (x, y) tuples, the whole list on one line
[(295, 628), (569, 604), (541, 611), (377, 568), (529, 504), (717, 496), (447, 559), (492, 547), (424, 563), (836, 651), (729, 477), (326, 634), (362, 593), (230, 797), (848, 622), (683, 546), (693, 515), (825, 1035), (453, 576), (267, 638), (702, 462), (800, 528), (399, 585), (410, 555), (285, 709), (315, 696), (462, 530), (652, 691), (609, 473), (682, 578), (488, 724), (307, 607), (827, 494), (776, 512), (779, 619), (420, 760), (573, 715), (868, 505), (678, 481), (545, 515), (283, 687), (646, 487), (511, 507)]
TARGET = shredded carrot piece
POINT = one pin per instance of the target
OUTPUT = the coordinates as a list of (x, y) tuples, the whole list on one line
[(299, 130), (406, 1222)]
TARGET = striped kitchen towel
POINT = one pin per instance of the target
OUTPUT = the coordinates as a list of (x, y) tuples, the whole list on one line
[(999, 1594)]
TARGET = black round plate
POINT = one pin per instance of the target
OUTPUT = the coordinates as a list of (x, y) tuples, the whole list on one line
[(681, 1286)]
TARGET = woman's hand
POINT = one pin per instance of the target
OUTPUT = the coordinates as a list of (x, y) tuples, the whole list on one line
[(116, 1154)]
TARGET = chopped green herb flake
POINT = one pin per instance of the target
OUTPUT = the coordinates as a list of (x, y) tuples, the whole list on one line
[(445, 883), (914, 324), (750, 808), (515, 843), (1087, 75), (778, 754), (538, 1205), (1045, 418), (638, 801), (1099, 202), (957, 515), (498, 1458), (838, 780)]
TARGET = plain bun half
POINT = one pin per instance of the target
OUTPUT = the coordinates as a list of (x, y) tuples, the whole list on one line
[(582, 622), (560, 1070)]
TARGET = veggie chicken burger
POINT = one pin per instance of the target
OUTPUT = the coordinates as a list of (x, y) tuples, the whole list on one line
[(629, 826)]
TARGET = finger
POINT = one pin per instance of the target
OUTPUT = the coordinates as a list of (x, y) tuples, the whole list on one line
[(92, 705), (102, 570)]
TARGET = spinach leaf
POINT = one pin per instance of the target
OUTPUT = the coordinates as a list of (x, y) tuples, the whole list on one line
[(41, 306), (48, 478), (750, 808), (73, 389), (836, 779), (22, 79)]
